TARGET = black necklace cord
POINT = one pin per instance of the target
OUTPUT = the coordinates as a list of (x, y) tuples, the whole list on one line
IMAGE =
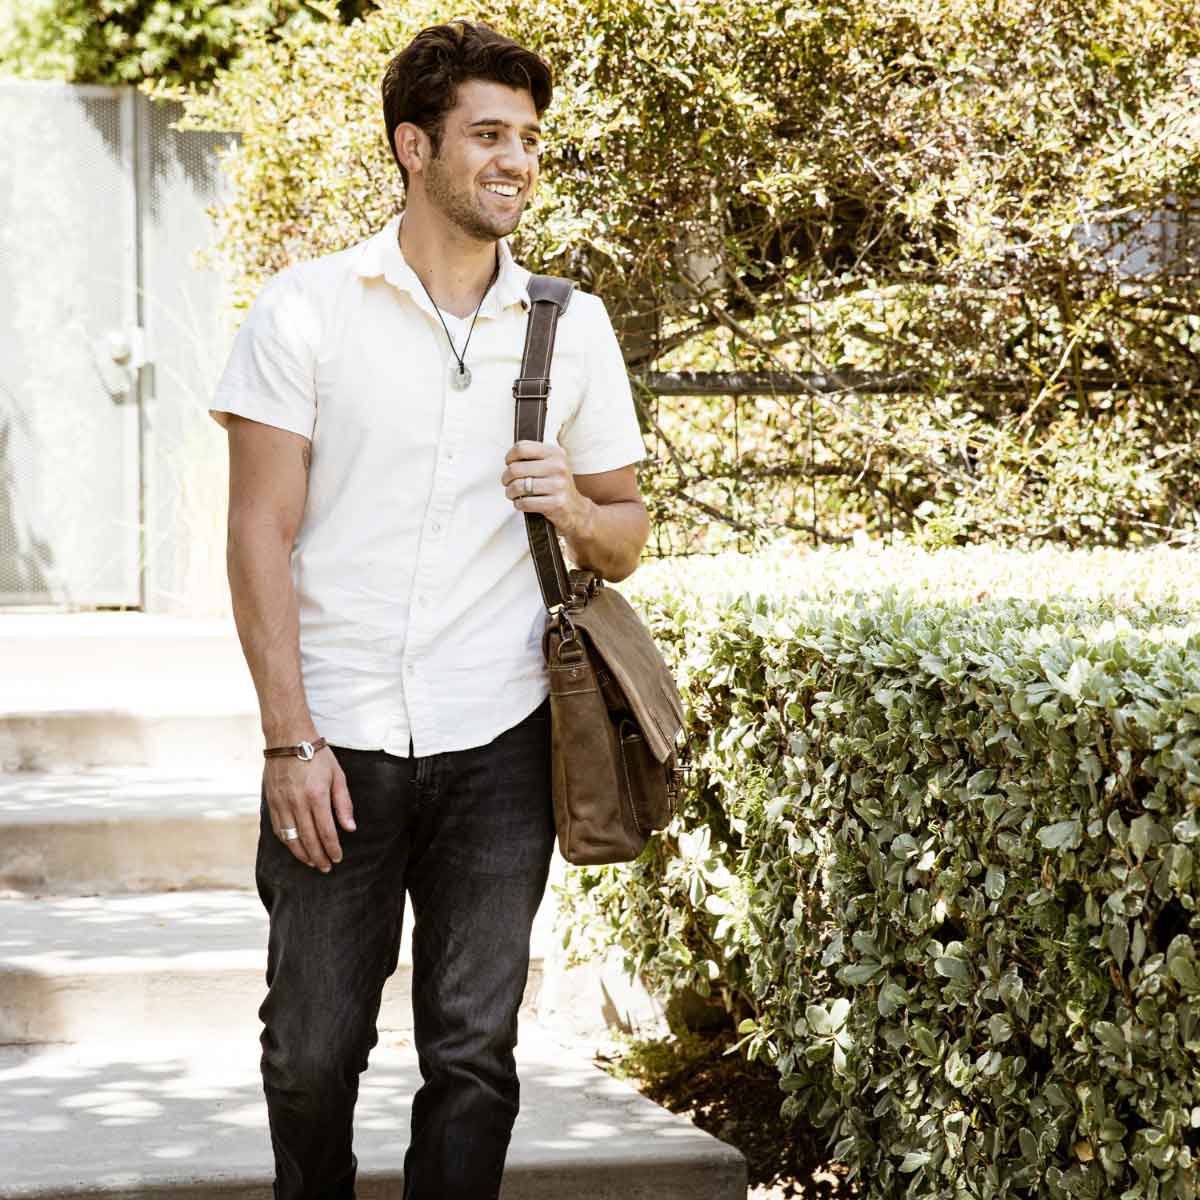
[(462, 366)]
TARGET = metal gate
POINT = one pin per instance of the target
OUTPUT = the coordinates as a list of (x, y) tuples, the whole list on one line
[(101, 204)]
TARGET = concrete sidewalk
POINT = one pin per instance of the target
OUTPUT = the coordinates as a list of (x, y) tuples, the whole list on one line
[(189, 1120), (133, 950)]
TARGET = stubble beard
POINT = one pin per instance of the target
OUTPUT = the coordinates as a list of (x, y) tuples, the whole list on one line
[(461, 208)]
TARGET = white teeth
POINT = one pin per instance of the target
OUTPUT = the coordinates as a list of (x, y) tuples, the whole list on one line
[(501, 189)]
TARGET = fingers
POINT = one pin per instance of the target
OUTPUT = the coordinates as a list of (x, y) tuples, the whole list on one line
[(329, 848), (282, 819), (551, 489), (545, 464), (342, 807), (532, 458), (531, 451), (311, 841), (513, 478), (299, 797)]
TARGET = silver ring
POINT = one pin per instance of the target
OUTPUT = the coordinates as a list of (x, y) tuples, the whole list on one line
[(289, 835), (529, 485)]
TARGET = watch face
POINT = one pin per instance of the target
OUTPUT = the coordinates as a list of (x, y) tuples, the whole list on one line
[(305, 751)]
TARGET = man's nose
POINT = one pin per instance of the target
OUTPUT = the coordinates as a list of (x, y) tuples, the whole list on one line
[(512, 156)]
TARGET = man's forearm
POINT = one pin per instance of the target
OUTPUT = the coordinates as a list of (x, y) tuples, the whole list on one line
[(609, 538), (268, 625)]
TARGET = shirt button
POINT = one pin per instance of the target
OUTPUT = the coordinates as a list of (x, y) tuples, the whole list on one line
[(437, 527), (449, 457)]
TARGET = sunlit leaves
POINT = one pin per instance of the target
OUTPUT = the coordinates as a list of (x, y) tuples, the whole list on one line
[(938, 192)]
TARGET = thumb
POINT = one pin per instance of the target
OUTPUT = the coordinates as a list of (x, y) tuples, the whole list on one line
[(342, 807)]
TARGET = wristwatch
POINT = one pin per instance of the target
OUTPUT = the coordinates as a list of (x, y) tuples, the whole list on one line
[(303, 750)]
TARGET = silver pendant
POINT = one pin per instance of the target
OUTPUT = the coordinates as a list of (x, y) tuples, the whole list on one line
[(460, 377)]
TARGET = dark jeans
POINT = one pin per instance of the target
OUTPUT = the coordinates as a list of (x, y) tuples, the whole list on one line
[(468, 834)]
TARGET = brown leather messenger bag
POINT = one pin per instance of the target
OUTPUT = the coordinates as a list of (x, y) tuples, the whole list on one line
[(615, 712)]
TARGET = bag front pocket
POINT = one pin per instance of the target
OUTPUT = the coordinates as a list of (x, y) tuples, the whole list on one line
[(645, 779)]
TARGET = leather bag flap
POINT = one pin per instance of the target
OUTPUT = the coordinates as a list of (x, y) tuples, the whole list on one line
[(617, 634)]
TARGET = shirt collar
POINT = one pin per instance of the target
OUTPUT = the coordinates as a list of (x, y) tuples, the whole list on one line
[(380, 255)]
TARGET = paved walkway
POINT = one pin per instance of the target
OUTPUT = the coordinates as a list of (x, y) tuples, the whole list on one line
[(132, 950)]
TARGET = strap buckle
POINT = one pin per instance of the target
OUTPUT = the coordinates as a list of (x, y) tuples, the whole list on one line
[(583, 587), (531, 388)]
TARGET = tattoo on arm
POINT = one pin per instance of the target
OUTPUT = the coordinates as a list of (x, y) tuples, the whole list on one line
[(306, 456)]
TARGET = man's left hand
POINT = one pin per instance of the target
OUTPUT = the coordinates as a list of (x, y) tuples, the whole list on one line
[(552, 490)]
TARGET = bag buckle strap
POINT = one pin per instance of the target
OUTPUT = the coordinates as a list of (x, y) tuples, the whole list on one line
[(583, 588), (531, 388)]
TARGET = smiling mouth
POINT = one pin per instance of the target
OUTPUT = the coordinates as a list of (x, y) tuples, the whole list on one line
[(507, 191)]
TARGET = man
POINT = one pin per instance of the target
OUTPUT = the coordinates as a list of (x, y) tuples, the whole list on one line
[(387, 603)]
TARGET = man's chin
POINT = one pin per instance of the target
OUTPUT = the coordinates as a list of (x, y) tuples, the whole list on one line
[(501, 229), (490, 227)]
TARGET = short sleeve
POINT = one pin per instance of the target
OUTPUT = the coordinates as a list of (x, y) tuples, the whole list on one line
[(270, 376), (603, 434)]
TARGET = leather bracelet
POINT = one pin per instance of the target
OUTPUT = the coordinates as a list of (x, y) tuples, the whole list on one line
[(302, 750)]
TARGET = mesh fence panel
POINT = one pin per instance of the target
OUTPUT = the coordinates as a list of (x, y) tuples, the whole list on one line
[(97, 485), (189, 328), (68, 453)]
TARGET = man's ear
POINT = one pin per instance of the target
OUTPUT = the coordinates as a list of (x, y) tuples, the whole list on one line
[(412, 146)]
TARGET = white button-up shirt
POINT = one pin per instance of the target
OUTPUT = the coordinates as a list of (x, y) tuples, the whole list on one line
[(420, 612)]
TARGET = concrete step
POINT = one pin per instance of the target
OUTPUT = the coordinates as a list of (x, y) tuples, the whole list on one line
[(130, 1122), (97, 737), (86, 689), (169, 965), (127, 829), (116, 831), (51, 656)]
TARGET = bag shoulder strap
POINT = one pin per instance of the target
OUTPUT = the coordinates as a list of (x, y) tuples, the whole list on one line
[(553, 288), (548, 299)]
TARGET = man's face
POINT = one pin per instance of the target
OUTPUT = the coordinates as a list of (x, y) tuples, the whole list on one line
[(487, 166)]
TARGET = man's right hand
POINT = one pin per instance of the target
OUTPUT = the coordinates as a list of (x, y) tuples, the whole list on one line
[(306, 796)]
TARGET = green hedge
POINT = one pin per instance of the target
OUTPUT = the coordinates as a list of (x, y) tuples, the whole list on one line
[(938, 857)]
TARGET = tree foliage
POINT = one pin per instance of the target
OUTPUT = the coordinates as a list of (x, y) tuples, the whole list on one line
[(130, 41), (986, 203)]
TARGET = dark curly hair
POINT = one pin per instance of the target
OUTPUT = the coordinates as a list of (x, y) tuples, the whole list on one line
[(420, 84)]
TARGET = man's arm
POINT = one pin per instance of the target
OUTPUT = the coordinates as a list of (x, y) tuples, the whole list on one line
[(612, 523), (268, 483)]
